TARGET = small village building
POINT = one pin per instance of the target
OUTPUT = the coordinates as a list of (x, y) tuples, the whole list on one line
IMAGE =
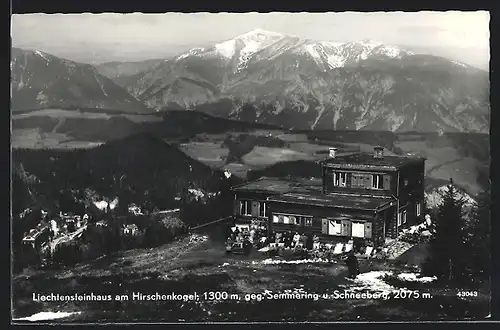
[(363, 196), (102, 223), (131, 230), (37, 237)]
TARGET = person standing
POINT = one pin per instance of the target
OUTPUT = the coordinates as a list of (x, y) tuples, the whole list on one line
[(352, 265)]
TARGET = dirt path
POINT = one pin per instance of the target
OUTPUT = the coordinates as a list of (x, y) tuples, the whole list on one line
[(436, 167), (59, 124)]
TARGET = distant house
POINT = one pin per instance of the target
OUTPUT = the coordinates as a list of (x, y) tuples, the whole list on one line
[(101, 223), (134, 209), (37, 237), (362, 195), (131, 230)]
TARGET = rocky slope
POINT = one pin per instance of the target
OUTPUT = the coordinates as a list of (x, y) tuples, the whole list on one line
[(123, 73), (263, 76), (40, 80)]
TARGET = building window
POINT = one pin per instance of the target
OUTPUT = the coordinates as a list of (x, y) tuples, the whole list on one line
[(419, 209), (339, 179), (377, 181), (403, 220), (335, 227), (358, 229), (262, 209), (245, 208), (292, 219)]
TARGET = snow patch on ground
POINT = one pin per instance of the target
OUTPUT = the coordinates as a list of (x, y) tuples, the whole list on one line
[(195, 238), (372, 281), (46, 316), (412, 277), (270, 261)]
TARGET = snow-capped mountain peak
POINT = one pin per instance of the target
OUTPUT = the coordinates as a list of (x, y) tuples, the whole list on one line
[(269, 45), (259, 33), (247, 44), (370, 43)]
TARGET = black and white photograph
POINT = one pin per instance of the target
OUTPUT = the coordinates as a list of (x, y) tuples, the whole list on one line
[(250, 167)]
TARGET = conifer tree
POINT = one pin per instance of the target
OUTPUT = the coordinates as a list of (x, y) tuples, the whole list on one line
[(479, 239), (447, 246)]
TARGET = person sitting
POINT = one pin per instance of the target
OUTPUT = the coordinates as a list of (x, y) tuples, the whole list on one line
[(296, 238), (239, 238)]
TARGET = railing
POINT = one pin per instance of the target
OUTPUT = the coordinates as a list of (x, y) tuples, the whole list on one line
[(211, 222)]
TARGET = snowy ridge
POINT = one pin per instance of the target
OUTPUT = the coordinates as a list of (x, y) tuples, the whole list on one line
[(191, 52), (459, 63), (42, 55), (269, 45)]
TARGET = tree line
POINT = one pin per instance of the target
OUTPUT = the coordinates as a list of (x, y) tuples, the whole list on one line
[(460, 249)]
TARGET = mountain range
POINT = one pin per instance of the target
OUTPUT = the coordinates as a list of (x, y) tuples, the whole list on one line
[(40, 80), (277, 79)]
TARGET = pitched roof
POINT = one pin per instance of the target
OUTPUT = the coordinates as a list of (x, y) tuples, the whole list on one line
[(348, 201), (280, 185), (368, 159)]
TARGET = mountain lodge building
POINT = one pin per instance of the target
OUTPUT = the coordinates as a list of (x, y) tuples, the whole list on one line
[(367, 196)]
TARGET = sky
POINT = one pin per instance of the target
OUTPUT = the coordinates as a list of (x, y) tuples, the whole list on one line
[(98, 38)]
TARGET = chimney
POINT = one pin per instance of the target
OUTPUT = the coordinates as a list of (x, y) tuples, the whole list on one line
[(378, 152), (332, 153)]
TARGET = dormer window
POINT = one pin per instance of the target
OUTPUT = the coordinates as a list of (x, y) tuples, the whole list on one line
[(339, 179)]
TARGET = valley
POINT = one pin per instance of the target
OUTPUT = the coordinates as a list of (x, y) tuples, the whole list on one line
[(243, 147)]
